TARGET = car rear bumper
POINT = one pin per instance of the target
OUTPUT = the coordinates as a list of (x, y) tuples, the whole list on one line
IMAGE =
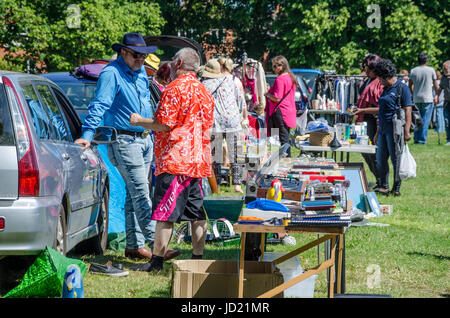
[(30, 225)]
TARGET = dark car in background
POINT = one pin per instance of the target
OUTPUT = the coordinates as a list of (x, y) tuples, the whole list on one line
[(52, 191), (80, 91), (310, 77)]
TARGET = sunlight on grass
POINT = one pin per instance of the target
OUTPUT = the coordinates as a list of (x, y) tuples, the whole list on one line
[(412, 253)]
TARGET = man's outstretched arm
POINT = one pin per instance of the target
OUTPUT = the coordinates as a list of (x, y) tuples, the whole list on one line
[(149, 123)]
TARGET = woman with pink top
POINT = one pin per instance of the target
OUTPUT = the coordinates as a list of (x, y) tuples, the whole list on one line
[(281, 110)]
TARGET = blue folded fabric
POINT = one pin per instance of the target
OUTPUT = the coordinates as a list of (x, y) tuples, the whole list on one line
[(266, 205)]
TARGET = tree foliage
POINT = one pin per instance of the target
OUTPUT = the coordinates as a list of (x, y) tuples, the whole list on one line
[(336, 35), (62, 34), (321, 34), (314, 34)]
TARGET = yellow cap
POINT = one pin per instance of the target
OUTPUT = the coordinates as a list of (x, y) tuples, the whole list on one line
[(153, 61)]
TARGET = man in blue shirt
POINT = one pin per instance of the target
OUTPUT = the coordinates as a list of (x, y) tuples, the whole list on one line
[(122, 89), (392, 131)]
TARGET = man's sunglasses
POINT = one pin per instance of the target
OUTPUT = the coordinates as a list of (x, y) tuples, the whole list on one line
[(137, 55)]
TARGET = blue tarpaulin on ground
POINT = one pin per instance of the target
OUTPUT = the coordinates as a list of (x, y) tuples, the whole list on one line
[(117, 195)]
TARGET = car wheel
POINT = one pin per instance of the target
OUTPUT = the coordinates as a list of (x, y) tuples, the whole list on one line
[(60, 243), (98, 244)]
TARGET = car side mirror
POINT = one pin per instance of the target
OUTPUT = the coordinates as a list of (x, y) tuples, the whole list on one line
[(104, 135)]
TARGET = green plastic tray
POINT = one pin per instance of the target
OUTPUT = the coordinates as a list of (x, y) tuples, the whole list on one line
[(229, 207)]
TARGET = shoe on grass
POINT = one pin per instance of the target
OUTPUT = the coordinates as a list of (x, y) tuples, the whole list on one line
[(382, 191), (154, 265), (447, 144), (107, 269)]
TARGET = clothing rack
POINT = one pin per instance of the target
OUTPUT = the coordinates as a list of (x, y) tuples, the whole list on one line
[(345, 94), (357, 76), (339, 75)]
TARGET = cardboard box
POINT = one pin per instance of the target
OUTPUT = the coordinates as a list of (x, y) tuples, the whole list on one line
[(219, 279)]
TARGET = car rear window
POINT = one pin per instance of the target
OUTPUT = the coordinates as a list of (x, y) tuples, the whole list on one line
[(6, 127), (310, 79)]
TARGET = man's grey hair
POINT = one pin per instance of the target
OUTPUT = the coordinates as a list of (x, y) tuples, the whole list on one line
[(191, 60), (446, 63)]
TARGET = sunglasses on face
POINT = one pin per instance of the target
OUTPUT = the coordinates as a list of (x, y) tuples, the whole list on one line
[(137, 55), (277, 65)]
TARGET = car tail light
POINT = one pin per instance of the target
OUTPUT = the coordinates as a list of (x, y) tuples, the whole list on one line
[(2, 223), (28, 175), (28, 168)]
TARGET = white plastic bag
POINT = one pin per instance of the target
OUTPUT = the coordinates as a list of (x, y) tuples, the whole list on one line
[(407, 165), (302, 122)]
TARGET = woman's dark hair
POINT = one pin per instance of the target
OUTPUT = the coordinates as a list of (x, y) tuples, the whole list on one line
[(385, 69), (280, 59), (370, 61), (164, 72)]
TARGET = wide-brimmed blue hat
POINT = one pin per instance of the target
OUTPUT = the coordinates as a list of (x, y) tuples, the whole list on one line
[(135, 42)]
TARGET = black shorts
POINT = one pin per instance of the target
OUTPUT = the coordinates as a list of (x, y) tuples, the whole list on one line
[(178, 198)]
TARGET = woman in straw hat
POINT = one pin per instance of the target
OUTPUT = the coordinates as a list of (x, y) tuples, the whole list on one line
[(228, 109)]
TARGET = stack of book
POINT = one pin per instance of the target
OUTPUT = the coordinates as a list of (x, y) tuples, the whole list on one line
[(320, 206), (321, 220)]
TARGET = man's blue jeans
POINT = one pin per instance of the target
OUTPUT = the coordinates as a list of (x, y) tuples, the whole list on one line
[(386, 149), (440, 120), (426, 111), (133, 157)]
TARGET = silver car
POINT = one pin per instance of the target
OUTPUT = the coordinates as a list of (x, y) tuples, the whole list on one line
[(52, 192)]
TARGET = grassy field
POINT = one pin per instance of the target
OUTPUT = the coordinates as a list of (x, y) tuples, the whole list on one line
[(411, 255)]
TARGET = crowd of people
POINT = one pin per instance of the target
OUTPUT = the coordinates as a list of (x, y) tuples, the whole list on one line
[(383, 94), (178, 115)]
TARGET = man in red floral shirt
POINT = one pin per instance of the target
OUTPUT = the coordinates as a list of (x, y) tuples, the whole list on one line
[(182, 127)]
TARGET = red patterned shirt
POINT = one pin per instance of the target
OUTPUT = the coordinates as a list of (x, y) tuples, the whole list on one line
[(187, 107)]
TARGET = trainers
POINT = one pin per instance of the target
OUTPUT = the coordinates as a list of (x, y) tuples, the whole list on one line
[(447, 144), (107, 269)]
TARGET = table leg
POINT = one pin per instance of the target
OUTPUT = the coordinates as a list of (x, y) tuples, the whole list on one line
[(339, 264), (241, 266), (318, 251), (332, 268), (262, 245)]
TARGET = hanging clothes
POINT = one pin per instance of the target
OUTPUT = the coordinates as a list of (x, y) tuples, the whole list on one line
[(254, 83)]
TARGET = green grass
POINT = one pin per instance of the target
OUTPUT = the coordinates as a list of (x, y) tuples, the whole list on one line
[(412, 253)]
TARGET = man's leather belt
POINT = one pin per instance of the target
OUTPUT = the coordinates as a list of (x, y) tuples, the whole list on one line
[(142, 134)]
